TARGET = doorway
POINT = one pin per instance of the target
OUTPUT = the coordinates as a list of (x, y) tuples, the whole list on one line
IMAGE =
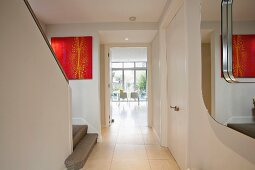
[(129, 85)]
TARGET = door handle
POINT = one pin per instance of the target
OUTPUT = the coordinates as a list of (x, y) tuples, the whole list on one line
[(176, 108)]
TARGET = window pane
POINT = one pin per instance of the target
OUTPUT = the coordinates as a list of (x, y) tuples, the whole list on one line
[(141, 84), (128, 65), (129, 80), (117, 81), (141, 64), (116, 65)]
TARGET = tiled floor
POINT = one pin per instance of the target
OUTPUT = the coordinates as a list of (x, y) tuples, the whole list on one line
[(129, 144)]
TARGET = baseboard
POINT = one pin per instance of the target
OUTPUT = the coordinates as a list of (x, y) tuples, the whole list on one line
[(156, 134), (99, 138)]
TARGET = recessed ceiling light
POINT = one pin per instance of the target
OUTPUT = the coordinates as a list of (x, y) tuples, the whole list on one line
[(132, 18), (126, 39)]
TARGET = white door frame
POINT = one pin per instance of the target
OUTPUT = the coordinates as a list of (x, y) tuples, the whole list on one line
[(170, 13), (108, 81)]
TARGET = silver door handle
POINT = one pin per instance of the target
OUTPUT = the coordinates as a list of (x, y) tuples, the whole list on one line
[(176, 108)]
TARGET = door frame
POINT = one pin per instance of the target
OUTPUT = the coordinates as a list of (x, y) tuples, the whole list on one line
[(108, 79)]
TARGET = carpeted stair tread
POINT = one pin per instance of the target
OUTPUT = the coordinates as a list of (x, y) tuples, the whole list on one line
[(79, 131), (77, 159)]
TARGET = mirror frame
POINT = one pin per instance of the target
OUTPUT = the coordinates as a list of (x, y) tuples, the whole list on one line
[(226, 41)]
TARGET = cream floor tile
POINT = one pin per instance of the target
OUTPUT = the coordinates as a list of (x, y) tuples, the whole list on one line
[(127, 147), (129, 123), (109, 139), (102, 151), (150, 139), (146, 130), (129, 152), (157, 152), (110, 130), (130, 165), (130, 130), (143, 124), (97, 165), (163, 165), (128, 144), (135, 139)]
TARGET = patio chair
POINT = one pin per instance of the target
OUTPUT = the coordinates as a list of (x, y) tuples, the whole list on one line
[(135, 95), (123, 95)]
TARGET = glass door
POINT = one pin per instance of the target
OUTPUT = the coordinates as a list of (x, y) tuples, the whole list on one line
[(141, 84), (117, 83), (129, 80)]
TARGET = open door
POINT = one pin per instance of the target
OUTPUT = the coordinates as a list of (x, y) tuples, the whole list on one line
[(107, 86), (110, 86)]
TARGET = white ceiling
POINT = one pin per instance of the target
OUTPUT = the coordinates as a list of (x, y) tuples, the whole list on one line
[(125, 54), (94, 11), (243, 10), (134, 36)]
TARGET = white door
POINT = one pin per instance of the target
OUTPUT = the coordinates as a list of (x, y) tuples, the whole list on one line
[(177, 88)]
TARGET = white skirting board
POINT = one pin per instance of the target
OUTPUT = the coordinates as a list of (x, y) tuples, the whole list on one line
[(155, 132)]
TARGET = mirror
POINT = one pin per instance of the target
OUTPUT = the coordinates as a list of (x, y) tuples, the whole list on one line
[(237, 56), (228, 62)]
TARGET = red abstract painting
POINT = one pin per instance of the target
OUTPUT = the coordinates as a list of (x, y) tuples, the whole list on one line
[(244, 56), (75, 55)]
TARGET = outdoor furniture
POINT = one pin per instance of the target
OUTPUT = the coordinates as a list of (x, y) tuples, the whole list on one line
[(123, 95), (135, 95)]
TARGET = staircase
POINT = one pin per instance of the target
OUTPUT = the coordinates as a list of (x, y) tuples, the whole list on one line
[(83, 144)]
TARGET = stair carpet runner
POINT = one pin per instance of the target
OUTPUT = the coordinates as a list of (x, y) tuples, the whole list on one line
[(83, 144)]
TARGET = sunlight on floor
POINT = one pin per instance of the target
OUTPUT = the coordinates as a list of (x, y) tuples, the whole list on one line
[(129, 144)]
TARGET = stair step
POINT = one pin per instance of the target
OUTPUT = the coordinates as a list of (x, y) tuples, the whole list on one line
[(79, 131), (77, 159)]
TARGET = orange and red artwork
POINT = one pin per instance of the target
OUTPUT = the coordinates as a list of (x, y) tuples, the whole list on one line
[(243, 56), (75, 55)]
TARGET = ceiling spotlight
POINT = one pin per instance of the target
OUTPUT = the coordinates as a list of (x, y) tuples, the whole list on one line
[(132, 18), (126, 39)]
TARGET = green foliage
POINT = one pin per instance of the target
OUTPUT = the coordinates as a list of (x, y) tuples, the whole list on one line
[(141, 83)]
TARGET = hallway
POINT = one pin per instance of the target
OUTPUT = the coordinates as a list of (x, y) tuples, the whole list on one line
[(129, 144)]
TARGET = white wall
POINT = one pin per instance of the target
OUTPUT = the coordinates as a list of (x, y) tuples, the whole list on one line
[(155, 86), (132, 54), (221, 92), (85, 93), (231, 100), (35, 118), (211, 145)]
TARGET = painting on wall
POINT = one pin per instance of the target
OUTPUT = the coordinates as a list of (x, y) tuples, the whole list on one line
[(243, 59), (244, 56), (75, 56)]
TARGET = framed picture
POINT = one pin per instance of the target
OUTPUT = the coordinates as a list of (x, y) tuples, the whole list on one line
[(75, 56), (243, 56)]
